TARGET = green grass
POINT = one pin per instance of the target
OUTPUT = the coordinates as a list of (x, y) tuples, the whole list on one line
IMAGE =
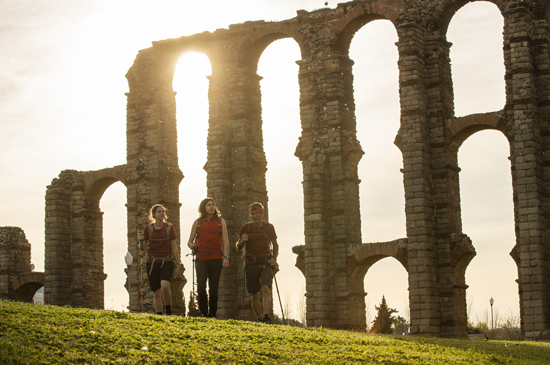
[(42, 334)]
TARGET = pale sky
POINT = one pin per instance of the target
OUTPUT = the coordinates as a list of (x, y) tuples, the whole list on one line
[(62, 106)]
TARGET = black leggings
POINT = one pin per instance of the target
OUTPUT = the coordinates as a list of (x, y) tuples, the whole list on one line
[(211, 270)]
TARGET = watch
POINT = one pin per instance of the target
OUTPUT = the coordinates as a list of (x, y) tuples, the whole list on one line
[(226, 257)]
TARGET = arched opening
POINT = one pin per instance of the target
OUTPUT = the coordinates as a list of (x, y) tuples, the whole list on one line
[(382, 201), (191, 84), (38, 297), (281, 130), (382, 272), (477, 58), (488, 219), (27, 292), (115, 246), (377, 111)]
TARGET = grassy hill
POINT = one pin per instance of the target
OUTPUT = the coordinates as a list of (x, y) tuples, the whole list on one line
[(42, 334)]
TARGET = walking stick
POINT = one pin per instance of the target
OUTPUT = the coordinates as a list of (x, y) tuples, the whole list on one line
[(193, 301), (244, 277), (280, 303)]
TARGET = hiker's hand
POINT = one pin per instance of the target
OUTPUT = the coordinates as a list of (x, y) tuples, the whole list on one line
[(178, 269), (244, 237), (192, 245), (140, 236), (273, 262), (225, 263)]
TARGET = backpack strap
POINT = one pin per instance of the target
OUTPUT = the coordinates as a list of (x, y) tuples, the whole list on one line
[(168, 229)]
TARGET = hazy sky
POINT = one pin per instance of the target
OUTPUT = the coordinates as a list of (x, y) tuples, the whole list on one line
[(62, 106)]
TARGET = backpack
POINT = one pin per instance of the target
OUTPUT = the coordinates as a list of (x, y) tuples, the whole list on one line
[(199, 225)]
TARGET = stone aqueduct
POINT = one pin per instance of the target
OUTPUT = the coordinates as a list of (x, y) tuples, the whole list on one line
[(435, 252)]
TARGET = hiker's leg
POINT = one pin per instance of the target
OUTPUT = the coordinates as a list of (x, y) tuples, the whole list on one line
[(166, 272), (166, 294), (202, 275), (266, 299), (157, 297), (253, 287), (154, 282), (266, 278), (256, 305), (214, 273)]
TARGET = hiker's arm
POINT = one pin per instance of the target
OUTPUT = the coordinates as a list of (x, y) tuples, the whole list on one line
[(275, 248), (241, 241), (190, 242), (225, 244), (175, 251)]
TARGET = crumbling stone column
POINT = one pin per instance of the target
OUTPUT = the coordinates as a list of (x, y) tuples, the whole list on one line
[(87, 269), (417, 175), (527, 167), (15, 258)]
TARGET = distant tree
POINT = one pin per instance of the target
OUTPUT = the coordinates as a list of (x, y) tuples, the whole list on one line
[(384, 320), (400, 326)]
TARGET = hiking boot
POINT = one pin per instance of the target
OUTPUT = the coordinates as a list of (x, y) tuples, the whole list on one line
[(266, 319), (260, 320)]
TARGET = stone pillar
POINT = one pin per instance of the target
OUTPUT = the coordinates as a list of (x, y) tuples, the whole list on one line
[(57, 247), (417, 175), (329, 152), (236, 167), (527, 166), (445, 183), (153, 175), (88, 276)]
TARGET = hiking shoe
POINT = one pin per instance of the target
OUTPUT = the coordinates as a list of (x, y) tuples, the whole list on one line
[(260, 320), (266, 319)]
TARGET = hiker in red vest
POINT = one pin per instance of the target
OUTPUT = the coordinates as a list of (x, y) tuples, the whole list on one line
[(163, 259), (209, 242), (256, 238)]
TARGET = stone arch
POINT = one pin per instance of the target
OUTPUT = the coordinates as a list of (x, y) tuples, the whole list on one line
[(367, 254), (357, 17), (460, 129), (97, 182), (26, 285), (449, 8)]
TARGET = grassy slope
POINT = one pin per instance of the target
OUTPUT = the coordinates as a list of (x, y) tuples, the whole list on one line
[(37, 334)]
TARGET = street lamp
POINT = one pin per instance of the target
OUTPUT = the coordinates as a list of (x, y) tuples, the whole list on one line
[(492, 301), (129, 259)]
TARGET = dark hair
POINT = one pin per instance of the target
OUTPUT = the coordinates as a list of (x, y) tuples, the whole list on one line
[(154, 210), (202, 208)]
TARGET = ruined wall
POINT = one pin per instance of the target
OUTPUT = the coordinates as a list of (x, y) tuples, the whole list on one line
[(334, 260), (17, 279)]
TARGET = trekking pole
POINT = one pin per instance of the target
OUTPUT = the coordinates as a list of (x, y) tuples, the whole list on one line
[(140, 246), (280, 303), (244, 278), (193, 294)]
